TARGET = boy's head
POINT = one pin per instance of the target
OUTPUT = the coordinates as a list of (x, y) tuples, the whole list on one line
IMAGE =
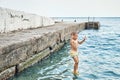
[(74, 35)]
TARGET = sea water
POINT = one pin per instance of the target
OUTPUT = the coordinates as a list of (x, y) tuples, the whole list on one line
[(99, 57)]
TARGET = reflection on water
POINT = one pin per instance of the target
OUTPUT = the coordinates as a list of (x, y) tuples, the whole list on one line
[(99, 58)]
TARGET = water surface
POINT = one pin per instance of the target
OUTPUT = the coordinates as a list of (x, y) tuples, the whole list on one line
[(99, 57)]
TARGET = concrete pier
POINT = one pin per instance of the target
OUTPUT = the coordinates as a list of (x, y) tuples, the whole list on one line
[(92, 25), (24, 48)]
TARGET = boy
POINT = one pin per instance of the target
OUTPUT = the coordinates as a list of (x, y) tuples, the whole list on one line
[(74, 52)]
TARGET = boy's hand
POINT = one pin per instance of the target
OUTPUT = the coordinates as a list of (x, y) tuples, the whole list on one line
[(80, 42), (85, 38)]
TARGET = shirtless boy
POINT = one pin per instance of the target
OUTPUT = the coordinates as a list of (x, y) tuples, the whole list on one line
[(74, 50)]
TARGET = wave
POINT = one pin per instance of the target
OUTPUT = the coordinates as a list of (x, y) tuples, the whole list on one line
[(111, 73)]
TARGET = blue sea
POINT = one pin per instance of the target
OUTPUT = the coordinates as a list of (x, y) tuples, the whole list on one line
[(99, 55)]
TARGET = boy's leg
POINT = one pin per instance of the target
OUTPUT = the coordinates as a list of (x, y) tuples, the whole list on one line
[(75, 58)]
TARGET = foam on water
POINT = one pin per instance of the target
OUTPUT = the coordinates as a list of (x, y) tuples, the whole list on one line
[(99, 57)]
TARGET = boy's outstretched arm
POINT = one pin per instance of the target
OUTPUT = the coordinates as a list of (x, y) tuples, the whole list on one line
[(80, 42)]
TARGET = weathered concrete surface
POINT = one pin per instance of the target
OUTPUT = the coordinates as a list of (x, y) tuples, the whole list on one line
[(7, 73), (24, 48), (11, 20), (32, 60)]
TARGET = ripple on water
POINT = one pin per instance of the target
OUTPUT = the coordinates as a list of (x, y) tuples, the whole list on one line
[(111, 73), (91, 76)]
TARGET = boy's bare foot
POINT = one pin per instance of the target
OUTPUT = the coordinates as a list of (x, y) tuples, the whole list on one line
[(76, 73)]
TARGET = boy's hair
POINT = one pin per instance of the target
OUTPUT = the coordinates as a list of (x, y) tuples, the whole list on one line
[(73, 33)]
